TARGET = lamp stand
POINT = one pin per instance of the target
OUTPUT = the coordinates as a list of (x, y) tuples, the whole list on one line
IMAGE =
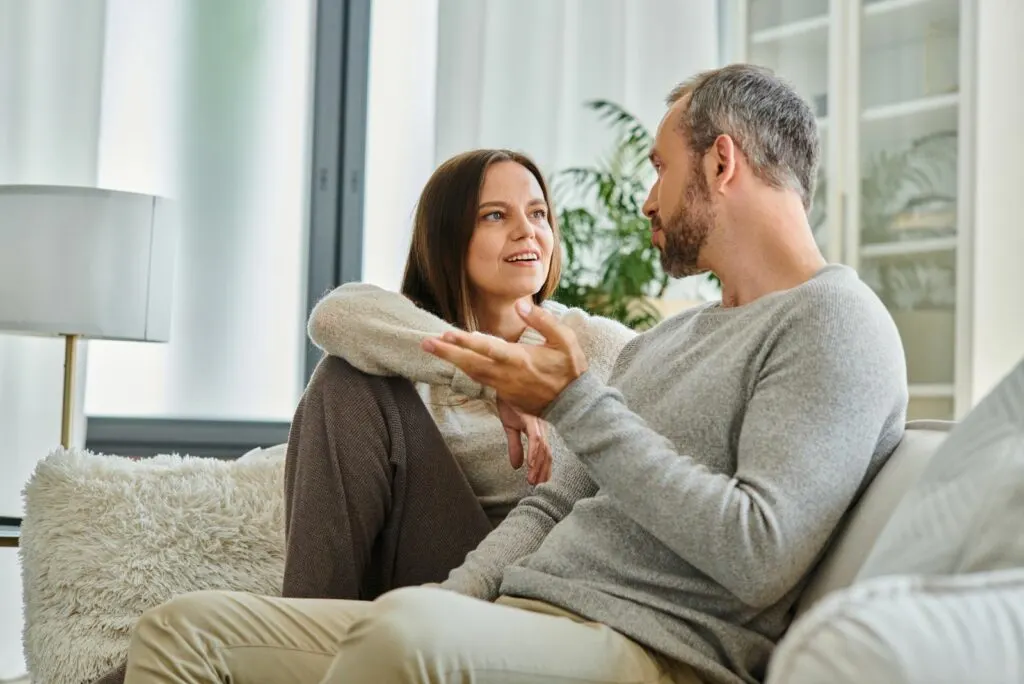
[(67, 408), (10, 528)]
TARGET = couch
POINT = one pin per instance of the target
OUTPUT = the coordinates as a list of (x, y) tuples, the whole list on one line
[(873, 611)]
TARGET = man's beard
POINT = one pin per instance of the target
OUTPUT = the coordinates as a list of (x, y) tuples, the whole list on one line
[(686, 232)]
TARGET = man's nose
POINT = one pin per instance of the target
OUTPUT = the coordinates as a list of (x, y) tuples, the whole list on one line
[(650, 208)]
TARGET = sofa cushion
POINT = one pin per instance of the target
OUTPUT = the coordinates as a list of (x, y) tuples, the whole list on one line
[(854, 541), (105, 537), (964, 514), (910, 630)]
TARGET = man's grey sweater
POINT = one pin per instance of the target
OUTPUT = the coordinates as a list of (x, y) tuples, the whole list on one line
[(714, 469)]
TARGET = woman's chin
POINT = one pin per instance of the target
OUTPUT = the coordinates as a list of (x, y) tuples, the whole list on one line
[(526, 292)]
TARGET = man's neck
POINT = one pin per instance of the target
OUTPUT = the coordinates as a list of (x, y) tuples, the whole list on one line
[(760, 279), (779, 254)]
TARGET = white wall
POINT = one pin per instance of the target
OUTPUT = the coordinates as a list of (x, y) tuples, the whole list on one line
[(400, 122), (998, 140)]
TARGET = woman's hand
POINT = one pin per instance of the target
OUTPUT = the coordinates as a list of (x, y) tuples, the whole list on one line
[(538, 456)]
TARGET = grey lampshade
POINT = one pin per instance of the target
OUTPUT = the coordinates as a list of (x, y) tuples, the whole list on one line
[(87, 261)]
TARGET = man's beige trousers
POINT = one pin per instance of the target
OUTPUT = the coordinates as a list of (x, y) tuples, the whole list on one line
[(421, 635)]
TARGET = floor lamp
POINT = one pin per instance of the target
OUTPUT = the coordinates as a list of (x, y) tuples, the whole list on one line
[(83, 263)]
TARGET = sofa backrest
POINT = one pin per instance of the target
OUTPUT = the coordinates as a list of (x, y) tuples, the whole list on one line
[(865, 522)]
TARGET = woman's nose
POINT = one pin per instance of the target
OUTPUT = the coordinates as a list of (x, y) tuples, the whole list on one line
[(524, 228)]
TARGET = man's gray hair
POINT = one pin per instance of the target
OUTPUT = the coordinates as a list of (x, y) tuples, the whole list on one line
[(773, 126)]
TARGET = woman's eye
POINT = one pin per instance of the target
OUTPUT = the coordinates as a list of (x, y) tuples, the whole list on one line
[(540, 214), (492, 216)]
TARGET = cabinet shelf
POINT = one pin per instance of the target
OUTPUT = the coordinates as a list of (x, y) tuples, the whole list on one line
[(911, 118), (908, 247), (813, 30), (916, 107), (895, 22), (931, 390)]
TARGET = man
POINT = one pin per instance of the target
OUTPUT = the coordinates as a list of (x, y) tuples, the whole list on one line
[(722, 455)]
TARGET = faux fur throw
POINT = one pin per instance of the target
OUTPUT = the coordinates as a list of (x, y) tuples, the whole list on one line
[(105, 537)]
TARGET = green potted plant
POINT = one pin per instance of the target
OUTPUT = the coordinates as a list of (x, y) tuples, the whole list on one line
[(611, 267)]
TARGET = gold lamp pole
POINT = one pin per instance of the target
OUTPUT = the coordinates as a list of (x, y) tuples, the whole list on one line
[(11, 538), (67, 408)]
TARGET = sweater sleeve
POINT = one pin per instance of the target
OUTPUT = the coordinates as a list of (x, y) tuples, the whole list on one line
[(379, 332), (822, 398), (523, 530)]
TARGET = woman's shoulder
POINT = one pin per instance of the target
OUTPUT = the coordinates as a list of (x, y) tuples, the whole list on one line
[(591, 329)]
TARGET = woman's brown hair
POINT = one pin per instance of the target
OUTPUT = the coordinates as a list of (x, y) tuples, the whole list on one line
[(446, 215)]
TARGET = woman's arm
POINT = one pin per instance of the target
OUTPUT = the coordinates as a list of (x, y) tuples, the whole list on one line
[(379, 332)]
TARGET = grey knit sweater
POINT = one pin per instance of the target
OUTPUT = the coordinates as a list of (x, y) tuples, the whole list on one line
[(711, 473)]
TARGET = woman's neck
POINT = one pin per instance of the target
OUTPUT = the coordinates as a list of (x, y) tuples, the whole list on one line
[(501, 321)]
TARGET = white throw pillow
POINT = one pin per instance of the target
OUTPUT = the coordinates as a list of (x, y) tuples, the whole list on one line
[(106, 537), (910, 630), (964, 514)]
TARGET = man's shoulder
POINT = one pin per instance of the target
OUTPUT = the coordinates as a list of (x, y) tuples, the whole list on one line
[(838, 299), (839, 320)]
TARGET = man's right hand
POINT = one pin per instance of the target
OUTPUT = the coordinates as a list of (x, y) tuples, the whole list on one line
[(538, 456)]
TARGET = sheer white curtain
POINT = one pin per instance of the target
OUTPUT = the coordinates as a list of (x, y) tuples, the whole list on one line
[(400, 115), (516, 73), (241, 169)]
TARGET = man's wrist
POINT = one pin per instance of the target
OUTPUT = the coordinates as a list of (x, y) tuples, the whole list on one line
[(577, 392)]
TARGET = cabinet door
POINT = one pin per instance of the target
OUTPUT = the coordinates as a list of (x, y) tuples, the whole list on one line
[(903, 184), (796, 39)]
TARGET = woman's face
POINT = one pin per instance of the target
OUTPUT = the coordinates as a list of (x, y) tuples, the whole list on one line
[(510, 250)]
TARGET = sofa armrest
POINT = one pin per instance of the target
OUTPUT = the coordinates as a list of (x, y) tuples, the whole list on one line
[(910, 630)]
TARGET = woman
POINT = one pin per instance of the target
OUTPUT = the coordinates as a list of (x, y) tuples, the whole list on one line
[(397, 464)]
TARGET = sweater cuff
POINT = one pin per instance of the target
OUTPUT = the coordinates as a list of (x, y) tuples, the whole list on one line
[(574, 401)]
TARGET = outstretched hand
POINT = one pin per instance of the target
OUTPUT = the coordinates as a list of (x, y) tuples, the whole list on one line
[(538, 455), (529, 377)]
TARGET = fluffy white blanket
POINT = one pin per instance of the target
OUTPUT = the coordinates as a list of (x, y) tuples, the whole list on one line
[(105, 537)]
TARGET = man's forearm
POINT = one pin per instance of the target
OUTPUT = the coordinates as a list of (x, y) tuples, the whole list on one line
[(715, 522)]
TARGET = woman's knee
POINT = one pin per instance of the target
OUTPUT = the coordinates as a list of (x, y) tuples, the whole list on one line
[(333, 373)]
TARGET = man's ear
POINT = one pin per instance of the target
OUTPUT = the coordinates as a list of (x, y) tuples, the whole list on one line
[(723, 161)]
